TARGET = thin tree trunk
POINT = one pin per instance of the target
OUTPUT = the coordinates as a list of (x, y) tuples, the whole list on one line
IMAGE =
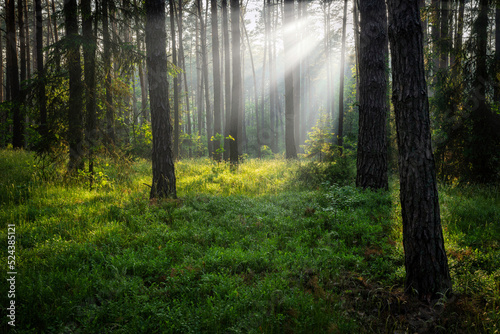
[(496, 94), (296, 82), (372, 142), (110, 113), (426, 264), (27, 34), (340, 135), (204, 61), (217, 81), (445, 41), (75, 112), (142, 81), (22, 61), (435, 34), (176, 82), (89, 62), (227, 80), (13, 90), (288, 38), (42, 98), (163, 184), (272, 78), (236, 89)]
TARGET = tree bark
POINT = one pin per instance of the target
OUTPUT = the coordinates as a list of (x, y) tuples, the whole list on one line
[(496, 93), (236, 89), (42, 98), (288, 39), (217, 80), (89, 62), (427, 272), (163, 184), (75, 111), (372, 140), (445, 38), (110, 112)]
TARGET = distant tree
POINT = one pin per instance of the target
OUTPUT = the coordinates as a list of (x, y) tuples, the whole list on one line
[(163, 184), (236, 89), (75, 106), (372, 140), (288, 38), (217, 80), (426, 264), (42, 98), (497, 53), (176, 81), (340, 128), (109, 106), (227, 79)]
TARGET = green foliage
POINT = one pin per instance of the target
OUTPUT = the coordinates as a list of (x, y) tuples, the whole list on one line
[(243, 251), (319, 144)]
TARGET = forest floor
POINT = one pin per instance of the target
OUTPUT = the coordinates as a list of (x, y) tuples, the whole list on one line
[(257, 250)]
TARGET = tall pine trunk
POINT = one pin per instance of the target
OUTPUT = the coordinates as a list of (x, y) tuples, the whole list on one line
[(227, 79), (340, 128), (176, 81), (110, 113), (372, 142), (41, 97), (288, 38), (236, 89), (217, 81), (427, 272), (75, 107), (163, 184)]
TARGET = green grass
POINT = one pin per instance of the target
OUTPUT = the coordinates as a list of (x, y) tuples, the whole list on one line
[(247, 251)]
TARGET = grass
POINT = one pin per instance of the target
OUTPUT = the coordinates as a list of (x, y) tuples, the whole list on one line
[(247, 251)]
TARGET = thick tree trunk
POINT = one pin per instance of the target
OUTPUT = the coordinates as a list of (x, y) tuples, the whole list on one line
[(236, 89), (288, 38), (163, 184), (89, 61), (75, 110), (426, 264), (340, 134), (217, 81), (227, 79), (372, 142)]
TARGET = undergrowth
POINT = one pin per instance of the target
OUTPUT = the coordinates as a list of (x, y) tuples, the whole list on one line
[(252, 250)]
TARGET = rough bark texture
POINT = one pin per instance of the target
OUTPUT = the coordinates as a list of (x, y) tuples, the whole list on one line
[(426, 264), (75, 107), (236, 90), (217, 79), (372, 140), (288, 38), (163, 184), (89, 61)]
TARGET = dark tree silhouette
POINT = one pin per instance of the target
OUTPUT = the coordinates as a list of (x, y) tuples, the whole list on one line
[(372, 140), (288, 38), (163, 184)]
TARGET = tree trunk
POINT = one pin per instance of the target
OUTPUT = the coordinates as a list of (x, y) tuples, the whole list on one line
[(204, 64), (496, 94), (163, 184), (110, 113), (288, 38), (13, 90), (75, 112), (296, 81), (340, 135), (236, 89), (272, 78), (426, 264), (22, 63), (42, 98), (445, 39), (182, 61), (217, 81), (227, 79), (372, 141), (89, 62), (176, 82), (435, 34)]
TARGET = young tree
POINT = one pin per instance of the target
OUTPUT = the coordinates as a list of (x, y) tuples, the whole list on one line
[(426, 263), (163, 184), (288, 38), (372, 142), (236, 90), (75, 110)]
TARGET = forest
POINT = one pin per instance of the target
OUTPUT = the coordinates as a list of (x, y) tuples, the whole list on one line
[(227, 166)]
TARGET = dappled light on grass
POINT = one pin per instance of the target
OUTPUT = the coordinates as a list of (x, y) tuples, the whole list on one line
[(247, 251)]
